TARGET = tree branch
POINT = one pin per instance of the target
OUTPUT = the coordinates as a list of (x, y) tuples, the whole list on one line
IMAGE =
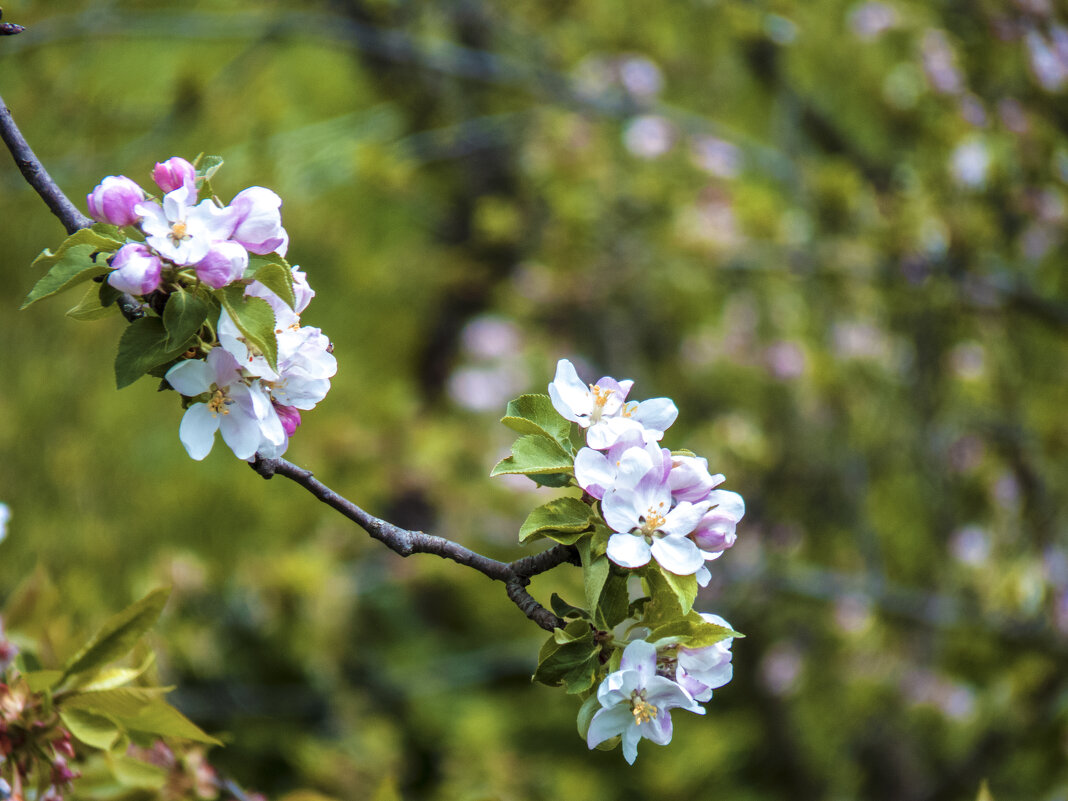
[(37, 176), (515, 575)]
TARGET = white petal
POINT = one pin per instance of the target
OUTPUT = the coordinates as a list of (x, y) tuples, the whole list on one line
[(729, 505), (640, 656), (684, 518), (593, 472), (631, 737), (569, 394), (197, 430), (678, 554), (241, 433), (628, 550), (608, 723), (620, 510), (191, 377), (657, 414)]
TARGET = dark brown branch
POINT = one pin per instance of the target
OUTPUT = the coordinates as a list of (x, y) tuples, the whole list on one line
[(37, 176), (515, 575)]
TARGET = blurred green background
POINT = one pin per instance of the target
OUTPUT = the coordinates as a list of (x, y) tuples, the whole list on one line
[(832, 231)]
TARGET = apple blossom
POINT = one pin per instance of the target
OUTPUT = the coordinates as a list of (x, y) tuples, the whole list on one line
[(115, 200), (647, 525), (701, 670), (716, 530), (135, 269), (174, 173), (690, 480), (5, 517), (635, 702), (241, 412), (256, 221), (224, 264), (181, 230)]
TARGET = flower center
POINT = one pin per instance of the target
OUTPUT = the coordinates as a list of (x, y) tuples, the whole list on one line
[(629, 408), (219, 401), (653, 519), (179, 231), (642, 710), (600, 398)]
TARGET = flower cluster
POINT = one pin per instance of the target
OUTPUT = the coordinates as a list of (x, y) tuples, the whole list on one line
[(645, 513), (231, 340), (659, 504), (635, 701)]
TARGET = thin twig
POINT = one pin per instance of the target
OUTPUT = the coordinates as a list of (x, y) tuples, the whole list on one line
[(515, 575)]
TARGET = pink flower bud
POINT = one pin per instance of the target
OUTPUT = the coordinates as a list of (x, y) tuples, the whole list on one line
[(290, 417), (136, 270), (257, 221), (224, 264), (114, 199), (174, 173)]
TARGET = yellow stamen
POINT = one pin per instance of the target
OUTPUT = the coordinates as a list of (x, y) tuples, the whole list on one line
[(219, 401), (643, 711), (179, 232)]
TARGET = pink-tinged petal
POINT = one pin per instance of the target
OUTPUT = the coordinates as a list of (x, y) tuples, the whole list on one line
[(658, 730), (224, 366), (570, 396), (290, 417), (197, 430), (620, 510), (173, 173), (190, 377), (593, 472), (257, 221), (224, 264), (617, 687), (115, 201), (656, 414), (136, 270), (678, 554), (634, 465), (728, 505), (683, 519), (640, 656), (609, 723), (690, 480), (609, 430), (715, 535), (628, 550), (665, 694)]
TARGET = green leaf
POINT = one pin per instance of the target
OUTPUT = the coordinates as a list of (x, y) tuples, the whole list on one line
[(93, 729), (131, 772), (40, 680), (535, 414), (183, 315), (585, 715), (561, 519), (613, 604), (89, 307), (273, 272), (81, 257), (119, 634), (692, 631), (140, 710), (684, 587), (595, 570), (145, 345), (572, 664), (562, 608), (255, 318), (110, 678), (535, 454), (207, 166)]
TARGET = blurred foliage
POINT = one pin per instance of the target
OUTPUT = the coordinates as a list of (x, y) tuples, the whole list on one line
[(832, 231)]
